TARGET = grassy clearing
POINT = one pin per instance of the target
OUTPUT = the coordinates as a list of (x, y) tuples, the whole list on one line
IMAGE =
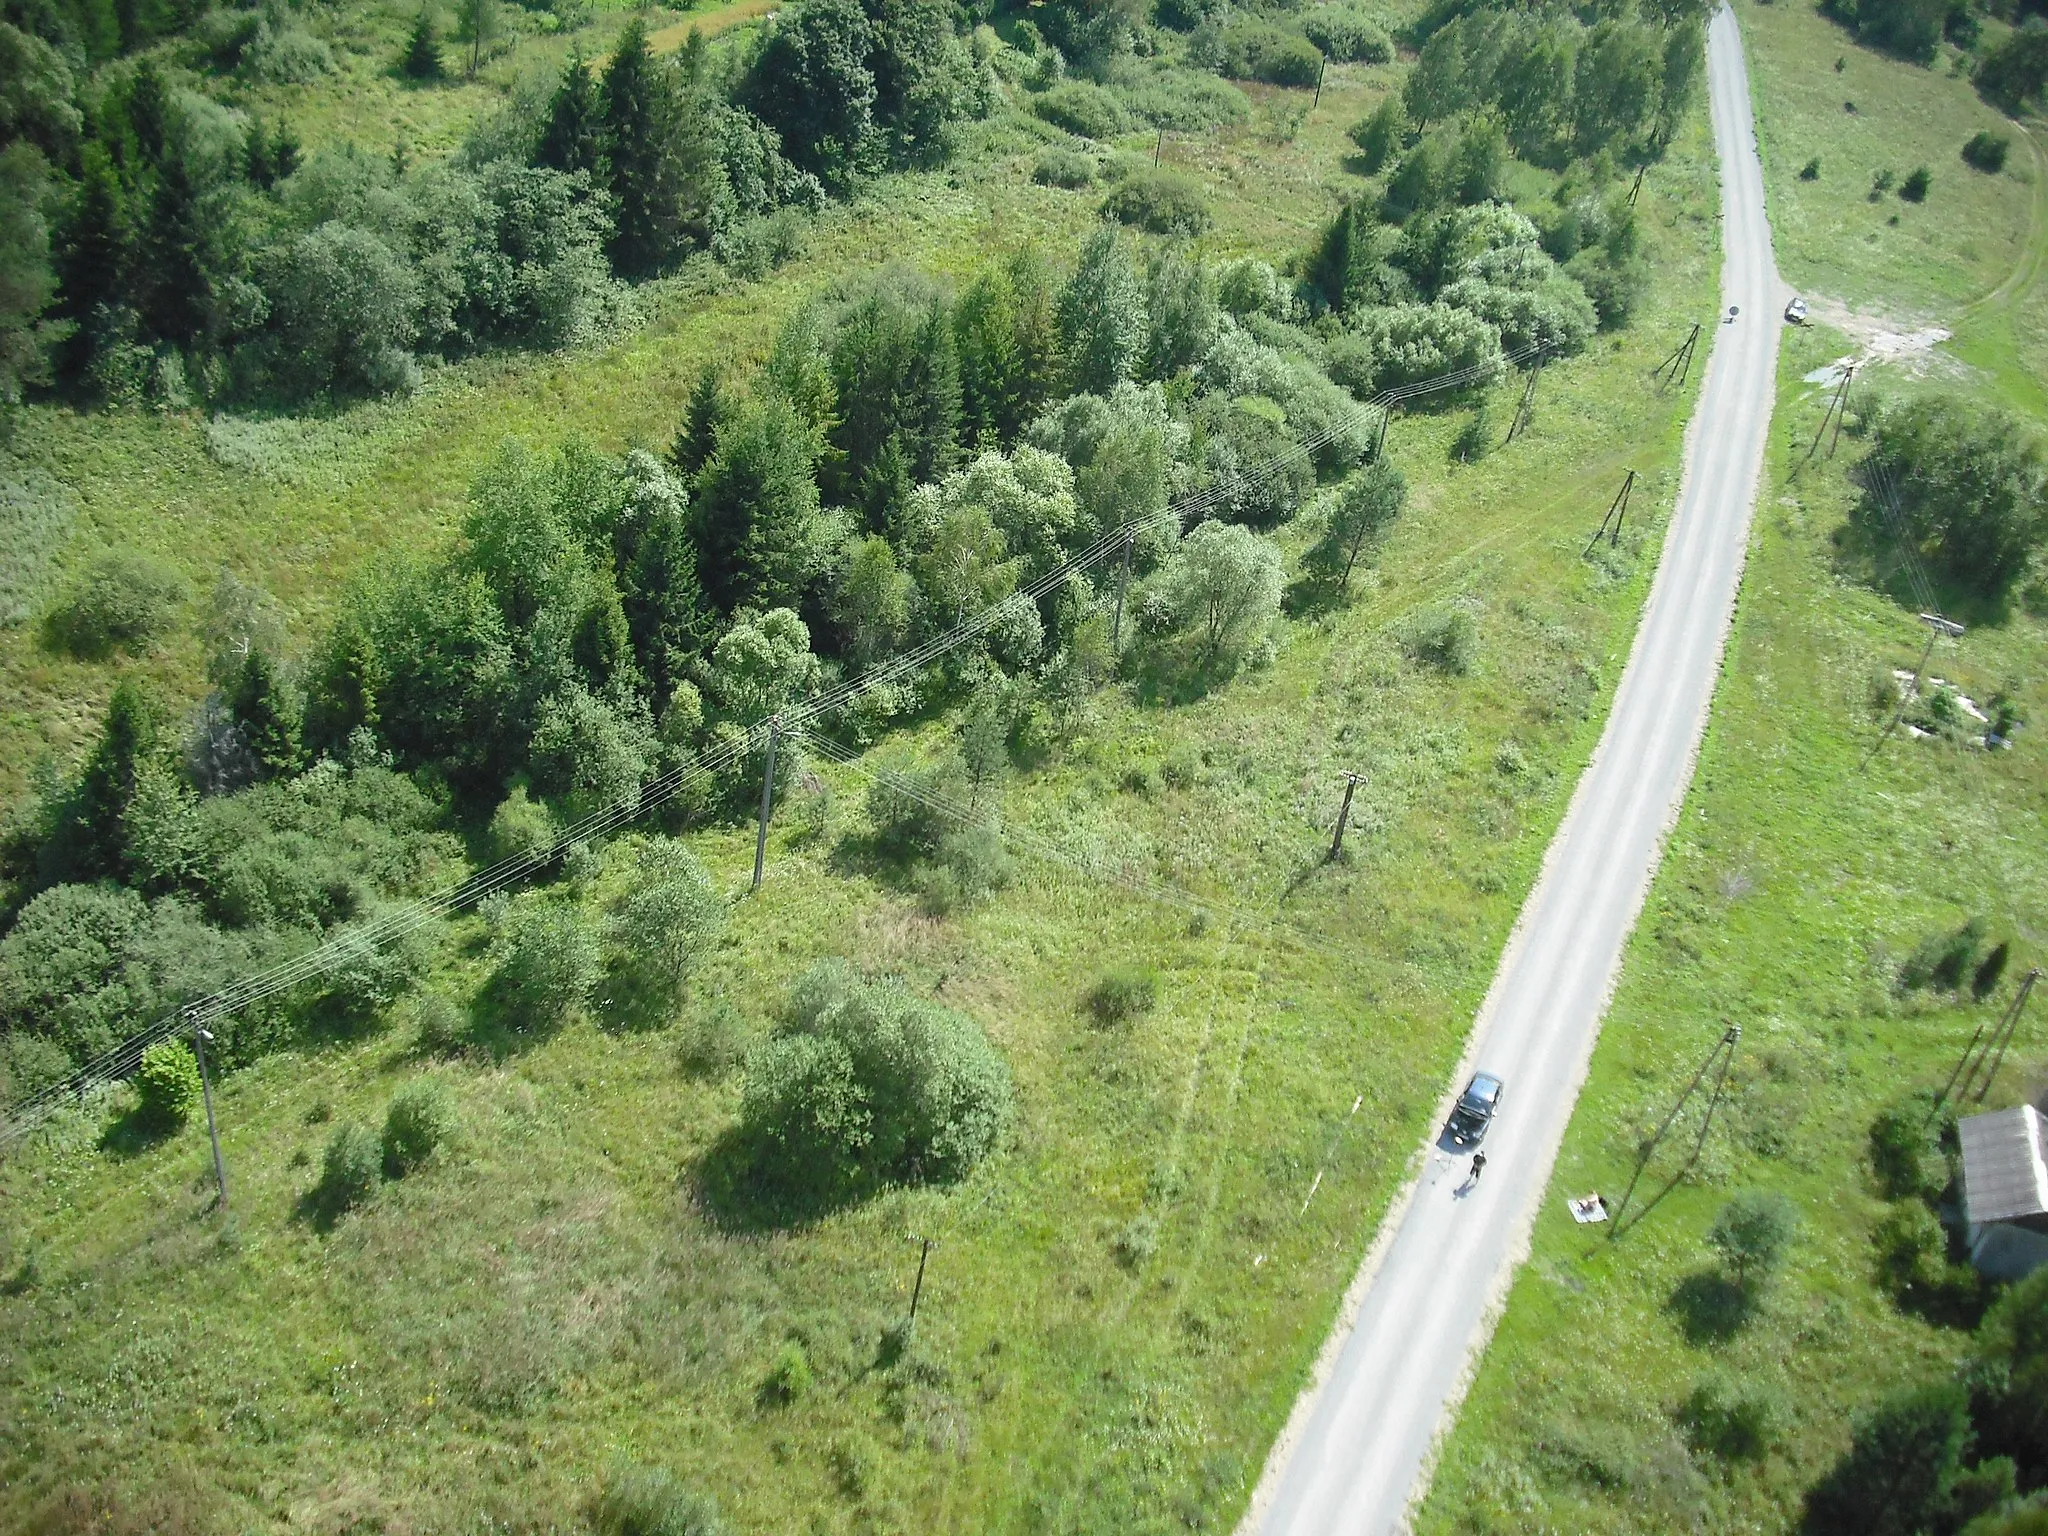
[(1123, 1305), (1794, 885)]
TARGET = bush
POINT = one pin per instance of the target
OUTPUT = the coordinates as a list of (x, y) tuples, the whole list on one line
[(652, 1501), (123, 600), (421, 1117), (1182, 102), (1811, 170), (1166, 202), (1905, 1152), (348, 1170), (1941, 960), (1064, 168), (1899, 1467), (1078, 107), (1443, 636), (1914, 188), (167, 1085), (1986, 151), (1257, 50), (547, 962), (1123, 994), (1752, 1233), (1347, 35), (868, 1082), (443, 1025), (1911, 1249), (972, 865), (789, 1378), (1222, 592), (1731, 1420), (669, 921), (907, 824), (1414, 342)]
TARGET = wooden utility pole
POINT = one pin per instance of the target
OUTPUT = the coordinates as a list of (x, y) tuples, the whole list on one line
[(220, 1168), (1123, 580), (1680, 361), (1159, 149), (1834, 412), (1379, 442), (1526, 408), (1325, 64), (1351, 783), (917, 1290), (1617, 509), (1638, 186), (1724, 1053), (767, 799), (1994, 1048)]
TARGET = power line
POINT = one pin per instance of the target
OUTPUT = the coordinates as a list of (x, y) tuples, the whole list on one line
[(121, 1060)]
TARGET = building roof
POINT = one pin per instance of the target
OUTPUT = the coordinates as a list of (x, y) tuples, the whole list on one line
[(2005, 1177)]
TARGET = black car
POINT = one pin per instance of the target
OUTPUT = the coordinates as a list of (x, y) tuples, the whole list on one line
[(1475, 1109)]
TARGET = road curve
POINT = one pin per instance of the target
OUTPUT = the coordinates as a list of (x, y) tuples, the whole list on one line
[(1355, 1452)]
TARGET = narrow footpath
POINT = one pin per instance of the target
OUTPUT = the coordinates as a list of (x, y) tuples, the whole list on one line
[(1355, 1455)]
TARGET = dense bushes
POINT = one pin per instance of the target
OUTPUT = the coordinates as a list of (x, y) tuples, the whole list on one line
[(167, 1086), (1258, 50), (867, 1083), (1986, 151), (1347, 35), (124, 600), (1968, 483), (1166, 202), (421, 1118), (1081, 108)]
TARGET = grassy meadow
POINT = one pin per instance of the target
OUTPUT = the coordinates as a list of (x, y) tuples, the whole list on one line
[(1121, 1306), (1798, 877)]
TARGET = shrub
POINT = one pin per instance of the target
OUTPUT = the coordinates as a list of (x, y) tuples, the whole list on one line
[(869, 1082), (1986, 151), (421, 1117), (1183, 102), (1123, 994), (1164, 201), (1914, 188), (1811, 170), (1081, 108), (1443, 636), (1911, 1248), (1475, 439), (1941, 960), (1752, 1233), (673, 916), (30, 1064), (1414, 342), (1138, 1241), (1258, 50), (899, 806), (789, 1378), (167, 1085), (1347, 35), (546, 964), (1732, 1420), (348, 1170), (1222, 591), (972, 864), (716, 1042), (1899, 1467), (443, 1025), (1381, 134), (1905, 1149), (652, 1501), (1064, 168), (123, 600)]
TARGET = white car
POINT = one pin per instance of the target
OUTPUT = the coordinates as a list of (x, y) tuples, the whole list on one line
[(1795, 312)]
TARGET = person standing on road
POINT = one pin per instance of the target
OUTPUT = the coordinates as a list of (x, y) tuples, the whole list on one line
[(1478, 1165)]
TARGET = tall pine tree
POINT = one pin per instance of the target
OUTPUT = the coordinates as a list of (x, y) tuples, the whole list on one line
[(93, 259), (710, 404), (267, 713), (178, 295), (637, 107), (760, 539)]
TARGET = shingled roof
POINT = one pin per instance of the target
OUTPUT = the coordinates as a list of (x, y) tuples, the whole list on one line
[(2005, 1177)]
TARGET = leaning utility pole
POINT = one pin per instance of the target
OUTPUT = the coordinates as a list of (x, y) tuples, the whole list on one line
[(1351, 783), (1834, 412), (1325, 64), (1379, 442), (1617, 509), (1527, 407), (917, 1290), (767, 799), (1937, 626), (1638, 186)]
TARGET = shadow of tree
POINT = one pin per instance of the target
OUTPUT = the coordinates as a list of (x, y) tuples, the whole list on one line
[(747, 1187), (1711, 1308), (134, 1133)]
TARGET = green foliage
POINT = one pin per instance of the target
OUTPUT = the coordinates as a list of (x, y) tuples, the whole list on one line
[(1258, 50), (1082, 108), (1104, 326), (1412, 342), (1752, 1233), (521, 827), (1914, 188), (1359, 517), (1222, 588), (2012, 1349), (1733, 1420), (789, 1378), (1911, 1249), (124, 600), (1941, 960), (1069, 168), (1910, 29), (1899, 1468), (422, 57), (1905, 1148), (444, 1027), (1006, 336), (895, 369), (26, 278), (899, 806), (1444, 636), (1347, 34), (760, 539), (668, 922), (545, 963), (652, 1501), (349, 1169), (2012, 71), (421, 1118), (1986, 151), (869, 1083), (1163, 201), (1381, 134), (167, 1086), (589, 751), (970, 864), (1123, 993)]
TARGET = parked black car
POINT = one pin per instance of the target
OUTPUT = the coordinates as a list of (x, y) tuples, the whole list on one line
[(1475, 1109)]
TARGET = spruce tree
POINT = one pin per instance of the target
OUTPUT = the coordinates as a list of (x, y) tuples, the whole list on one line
[(257, 164), (1103, 323), (710, 404), (636, 110), (93, 256), (572, 139), (670, 621), (284, 152), (985, 339), (267, 713), (88, 838), (179, 292), (149, 111), (422, 58), (928, 404), (756, 519)]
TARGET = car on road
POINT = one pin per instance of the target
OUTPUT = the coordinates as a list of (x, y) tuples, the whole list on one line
[(1795, 312), (1475, 1109)]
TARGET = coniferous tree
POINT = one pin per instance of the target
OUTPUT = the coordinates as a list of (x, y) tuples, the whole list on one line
[(93, 252), (572, 140), (985, 339), (670, 621), (284, 151), (179, 289), (267, 713), (257, 164), (149, 111), (710, 404), (929, 399), (88, 838), (422, 60), (1102, 317), (756, 519), (636, 111)]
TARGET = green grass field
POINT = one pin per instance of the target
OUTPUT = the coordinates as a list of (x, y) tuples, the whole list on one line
[(1122, 1306), (1796, 880)]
